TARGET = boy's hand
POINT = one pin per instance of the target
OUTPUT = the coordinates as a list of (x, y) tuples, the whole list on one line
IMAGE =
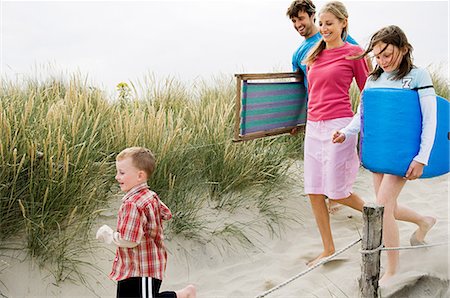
[(105, 234), (338, 137)]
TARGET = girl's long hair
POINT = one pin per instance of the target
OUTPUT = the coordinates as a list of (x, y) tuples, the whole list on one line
[(391, 35)]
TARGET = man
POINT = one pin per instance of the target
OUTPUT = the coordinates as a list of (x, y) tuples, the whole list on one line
[(303, 16)]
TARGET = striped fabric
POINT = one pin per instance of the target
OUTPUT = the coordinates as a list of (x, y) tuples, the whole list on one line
[(268, 106), (146, 292)]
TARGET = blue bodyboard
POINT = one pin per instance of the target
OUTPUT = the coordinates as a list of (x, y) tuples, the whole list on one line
[(391, 126)]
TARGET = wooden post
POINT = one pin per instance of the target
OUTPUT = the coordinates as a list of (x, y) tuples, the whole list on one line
[(372, 237), (237, 120)]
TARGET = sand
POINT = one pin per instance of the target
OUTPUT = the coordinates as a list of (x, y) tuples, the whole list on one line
[(247, 271)]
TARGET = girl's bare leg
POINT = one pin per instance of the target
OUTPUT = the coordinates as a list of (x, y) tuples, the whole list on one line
[(403, 213), (322, 217), (387, 193), (418, 237)]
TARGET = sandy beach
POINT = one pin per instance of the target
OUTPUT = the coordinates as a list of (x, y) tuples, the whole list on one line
[(218, 270)]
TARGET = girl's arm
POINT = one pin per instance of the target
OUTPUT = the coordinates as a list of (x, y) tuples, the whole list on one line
[(428, 107), (355, 125), (351, 129), (360, 72)]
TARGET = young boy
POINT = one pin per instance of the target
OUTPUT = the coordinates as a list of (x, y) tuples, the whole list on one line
[(141, 256)]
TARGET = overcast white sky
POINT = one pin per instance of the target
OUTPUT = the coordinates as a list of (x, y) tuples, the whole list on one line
[(114, 41)]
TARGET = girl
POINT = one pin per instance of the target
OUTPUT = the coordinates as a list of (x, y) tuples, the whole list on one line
[(330, 170), (395, 69)]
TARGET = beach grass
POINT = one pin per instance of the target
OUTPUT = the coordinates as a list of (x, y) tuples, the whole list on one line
[(59, 138)]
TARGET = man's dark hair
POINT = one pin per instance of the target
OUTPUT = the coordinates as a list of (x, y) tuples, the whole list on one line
[(301, 6)]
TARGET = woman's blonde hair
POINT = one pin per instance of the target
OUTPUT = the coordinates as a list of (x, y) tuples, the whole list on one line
[(338, 9)]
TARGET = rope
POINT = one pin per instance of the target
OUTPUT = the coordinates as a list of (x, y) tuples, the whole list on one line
[(323, 261), (382, 248), (371, 251), (415, 247)]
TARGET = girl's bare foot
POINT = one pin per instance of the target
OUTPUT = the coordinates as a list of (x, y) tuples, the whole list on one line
[(319, 258), (385, 278), (418, 237), (187, 292)]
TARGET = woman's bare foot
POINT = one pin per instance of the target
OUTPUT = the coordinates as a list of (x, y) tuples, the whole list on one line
[(333, 207), (187, 292), (385, 278), (418, 237), (319, 258)]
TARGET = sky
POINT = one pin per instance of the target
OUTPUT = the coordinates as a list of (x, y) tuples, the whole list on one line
[(121, 41)]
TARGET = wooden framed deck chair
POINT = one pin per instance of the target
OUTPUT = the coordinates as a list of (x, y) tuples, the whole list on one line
[(268, 104)]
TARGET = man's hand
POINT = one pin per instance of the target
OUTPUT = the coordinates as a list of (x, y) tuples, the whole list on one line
[(294, 131)]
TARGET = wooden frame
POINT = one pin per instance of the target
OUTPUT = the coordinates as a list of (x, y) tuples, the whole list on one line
[(242, 80)]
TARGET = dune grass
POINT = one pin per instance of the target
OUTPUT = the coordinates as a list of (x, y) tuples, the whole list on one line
[(53, 171), (58, 144), (59, 139)]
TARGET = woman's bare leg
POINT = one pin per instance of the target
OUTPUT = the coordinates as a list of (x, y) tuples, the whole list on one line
[(333, 206), (353, 201), (322, 217)]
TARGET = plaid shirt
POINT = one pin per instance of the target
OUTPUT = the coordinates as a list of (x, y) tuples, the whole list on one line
[(140, 220)]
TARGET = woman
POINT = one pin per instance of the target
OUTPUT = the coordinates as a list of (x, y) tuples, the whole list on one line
[(330, 169)]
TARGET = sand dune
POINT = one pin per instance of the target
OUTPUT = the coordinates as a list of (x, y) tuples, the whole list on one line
[(249, 271)]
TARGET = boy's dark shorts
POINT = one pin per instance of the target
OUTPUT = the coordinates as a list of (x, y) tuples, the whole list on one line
[(142, 287)]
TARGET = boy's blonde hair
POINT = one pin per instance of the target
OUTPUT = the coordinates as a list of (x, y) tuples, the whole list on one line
[(142, 158)]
